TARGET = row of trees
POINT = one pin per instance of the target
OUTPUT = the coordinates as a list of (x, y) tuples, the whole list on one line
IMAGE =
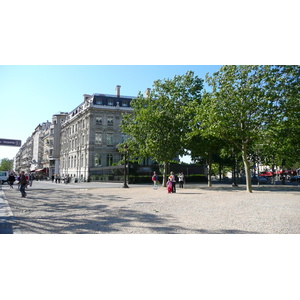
[(248, 111), (6, 164)]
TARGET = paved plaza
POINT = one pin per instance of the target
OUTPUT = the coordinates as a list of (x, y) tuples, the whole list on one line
[(98, 208)]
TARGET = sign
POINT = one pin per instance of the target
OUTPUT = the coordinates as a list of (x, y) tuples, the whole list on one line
[(5, 142)]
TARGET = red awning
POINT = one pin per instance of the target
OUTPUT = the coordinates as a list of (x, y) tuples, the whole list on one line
[(266, 174)]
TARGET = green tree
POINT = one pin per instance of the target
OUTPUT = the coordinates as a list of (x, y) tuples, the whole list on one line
[(6, 164), (241, 107), (280, 145), (158, 124)]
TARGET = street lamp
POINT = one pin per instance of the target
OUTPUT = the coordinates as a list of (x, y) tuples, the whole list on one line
[(125, 169)]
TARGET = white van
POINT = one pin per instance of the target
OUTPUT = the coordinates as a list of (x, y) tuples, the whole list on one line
[(3, 176)]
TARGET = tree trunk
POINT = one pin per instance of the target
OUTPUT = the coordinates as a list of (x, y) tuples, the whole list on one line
[(234, 169), (165, 172), (247, 168), (209, 163)]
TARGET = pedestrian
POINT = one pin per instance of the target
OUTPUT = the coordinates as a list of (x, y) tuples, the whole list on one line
[(173, 180), (30, 180), (181, 180), (19, 184), (23, 183), (169, 186), (155, 180), (52, 177), (11, 180)]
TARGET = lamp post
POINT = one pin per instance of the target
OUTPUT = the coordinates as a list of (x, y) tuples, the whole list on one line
[(125, 169)]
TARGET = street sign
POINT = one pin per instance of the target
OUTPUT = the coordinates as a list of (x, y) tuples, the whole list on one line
[(6, 142)]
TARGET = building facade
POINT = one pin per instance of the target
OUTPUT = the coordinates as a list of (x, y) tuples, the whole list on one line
[(30, 155), (90, 135)]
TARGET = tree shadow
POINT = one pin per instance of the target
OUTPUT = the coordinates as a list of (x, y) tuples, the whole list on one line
[(37, 214), (6, 225)]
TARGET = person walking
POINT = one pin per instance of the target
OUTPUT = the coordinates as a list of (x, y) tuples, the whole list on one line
[(169, 186), (173, 180), (11, 179), (181, 180), (155, 180), (30, 180), (18, 179), (23, 183)]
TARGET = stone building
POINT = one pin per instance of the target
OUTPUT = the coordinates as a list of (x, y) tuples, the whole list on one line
[(30, 155), (90, 134), (55, 142)]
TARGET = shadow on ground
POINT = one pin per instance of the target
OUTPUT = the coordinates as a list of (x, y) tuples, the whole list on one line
[(40, 214)]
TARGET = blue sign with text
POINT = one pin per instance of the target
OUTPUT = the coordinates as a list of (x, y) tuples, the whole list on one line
[(6, 142)]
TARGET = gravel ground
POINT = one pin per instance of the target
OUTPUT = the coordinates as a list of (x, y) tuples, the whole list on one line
[(142, 210)]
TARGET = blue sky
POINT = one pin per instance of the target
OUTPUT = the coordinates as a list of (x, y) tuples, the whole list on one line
[(30, 95)]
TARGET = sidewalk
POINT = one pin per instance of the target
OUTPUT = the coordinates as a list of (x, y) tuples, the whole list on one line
[(6, 215)]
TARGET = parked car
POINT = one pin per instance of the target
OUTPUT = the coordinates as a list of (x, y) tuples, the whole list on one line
[(3, 176), (261, 179), (295, 179)]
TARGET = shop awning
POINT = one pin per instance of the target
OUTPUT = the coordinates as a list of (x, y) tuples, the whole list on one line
[(266, 174)]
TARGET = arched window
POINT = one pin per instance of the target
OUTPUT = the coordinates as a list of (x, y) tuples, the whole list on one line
[(74, 161), (109, 159), (98, 160)]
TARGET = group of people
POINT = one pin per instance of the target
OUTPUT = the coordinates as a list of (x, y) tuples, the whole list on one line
[(58, 179), (23, 182), (172, 180)]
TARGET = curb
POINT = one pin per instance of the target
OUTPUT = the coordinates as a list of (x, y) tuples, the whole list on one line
[(6, 217)]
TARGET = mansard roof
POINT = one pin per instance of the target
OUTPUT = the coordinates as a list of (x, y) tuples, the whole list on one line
[(104, 99)]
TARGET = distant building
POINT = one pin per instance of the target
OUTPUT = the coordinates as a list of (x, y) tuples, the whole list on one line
[(55, 142), (30, 155)]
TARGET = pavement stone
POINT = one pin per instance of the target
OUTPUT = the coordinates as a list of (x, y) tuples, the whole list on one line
[(107, 208)]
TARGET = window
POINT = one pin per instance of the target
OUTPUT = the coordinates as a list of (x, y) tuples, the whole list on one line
[(98, 160), (98, 138), (81, 160), (109, 159), (98, 120), (75, 161), (99, 101), (110, 121), (110, 102), (110, 139), (124, 138), (124, 103)]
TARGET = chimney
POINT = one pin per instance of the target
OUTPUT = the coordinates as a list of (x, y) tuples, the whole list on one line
[(118, 90), (147, 93)]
